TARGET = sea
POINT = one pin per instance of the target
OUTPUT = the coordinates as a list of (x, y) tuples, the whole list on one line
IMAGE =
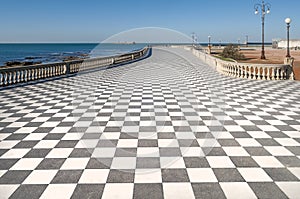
[(50, 52)]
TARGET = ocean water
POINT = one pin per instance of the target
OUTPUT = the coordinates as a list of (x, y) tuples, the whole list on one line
[(48, 53)]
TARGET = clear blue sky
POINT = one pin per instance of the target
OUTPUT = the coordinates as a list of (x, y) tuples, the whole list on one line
[(95, 20)]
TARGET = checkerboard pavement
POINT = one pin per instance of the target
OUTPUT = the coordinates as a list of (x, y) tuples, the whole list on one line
[(168, 126)]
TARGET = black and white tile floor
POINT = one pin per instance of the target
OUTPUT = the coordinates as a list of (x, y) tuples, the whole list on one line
[(165, 127)]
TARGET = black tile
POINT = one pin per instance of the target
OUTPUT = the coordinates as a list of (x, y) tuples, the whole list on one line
[(169, 152), (257, 151), (91, 191), (289, 161), (14, 177), (208, 190), (26, 144), (228, 142), (77, 152), (2, 151), (268, 142), (144, 191), (294, 149), (126, 152), (147, 143), (107, 143), (6, 164), (67, 176), (188, 143), (196, 162), (99, 163), (66, 144), (280, 174), (54, 136), (148, 162), (228, 175), (51, 163), (243, 161), (213, 151), (43, 130), (37, 153), (267, 190), (174, 175), (18, 136), (240, 135), (120, 176), (28, 191)]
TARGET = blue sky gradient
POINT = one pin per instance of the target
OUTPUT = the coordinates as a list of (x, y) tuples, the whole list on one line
[(95, 20)]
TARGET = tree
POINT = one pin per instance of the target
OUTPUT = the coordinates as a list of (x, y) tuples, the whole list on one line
[(232, 51)]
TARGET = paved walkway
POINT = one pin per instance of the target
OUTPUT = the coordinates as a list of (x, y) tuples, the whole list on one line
[(165, 127)]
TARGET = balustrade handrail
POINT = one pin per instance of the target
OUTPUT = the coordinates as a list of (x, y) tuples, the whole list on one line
[(21, 74), (245, 70)]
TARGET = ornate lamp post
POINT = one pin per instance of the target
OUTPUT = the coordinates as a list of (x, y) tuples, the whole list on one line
[(264, 9), (288, 22)]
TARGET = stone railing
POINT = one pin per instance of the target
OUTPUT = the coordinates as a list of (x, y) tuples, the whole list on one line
[(245, 70), (22, 74)]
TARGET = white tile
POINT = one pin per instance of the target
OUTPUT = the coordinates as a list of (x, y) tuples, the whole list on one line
[(59, 153), (172, 162), (208, 142), (75, 163), (147, 152), (254, 175), (72, 136), (267, 128), (267, 161), (50, 124), (291, 189), (7, 190), (220, 162), (248, 142), (87, 143), (15, 153), (292, 134), (8, 144), (201, 175), (147, 176), (104, 152), (192, 152), (91, 176), (40, 177), (46, 144), (118, 191), (60, 130), (58, 190), (295, 171), (26, 130), (287, 141), (127, 143), (235, 151), (234, 128), (110, 136), (123, 163), (35, 136), (234, 190), (27, 164), (178, 190), (168, 143), (278, 151), (258, 134)]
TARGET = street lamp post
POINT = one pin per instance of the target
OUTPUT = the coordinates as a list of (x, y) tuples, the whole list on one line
[(265, 9), (209, 44), (288, 25)]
